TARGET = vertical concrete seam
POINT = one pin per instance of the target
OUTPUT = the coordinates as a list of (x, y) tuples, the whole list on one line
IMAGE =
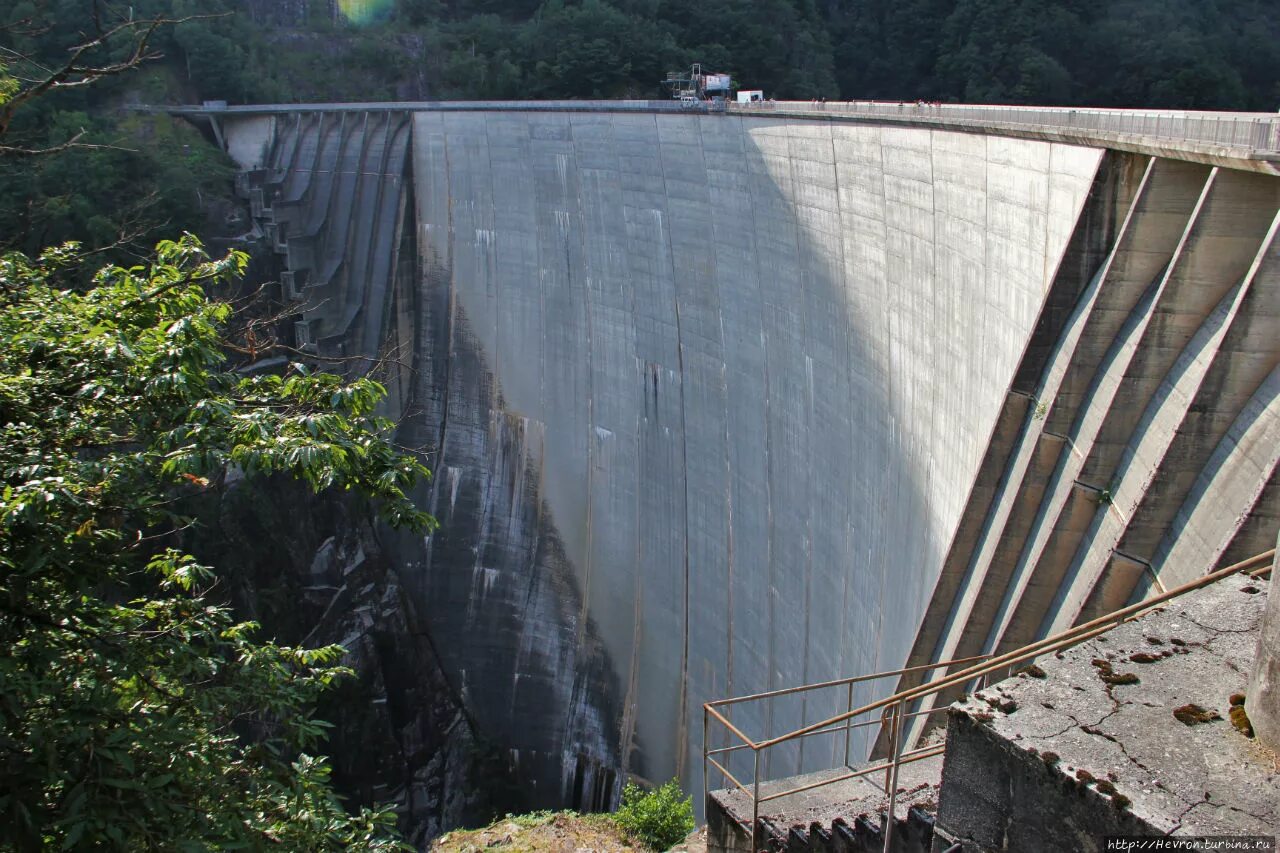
[(682, 713), (451, 319), (932, 409), (889, 377), (589, 427), (770, 598), (808, 414), (768, 485), (728, 469), (843, 665)]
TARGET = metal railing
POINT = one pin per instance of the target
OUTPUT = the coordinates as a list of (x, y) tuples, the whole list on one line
[(1255, 132), (896, 707), (617, 106), (890, 720)]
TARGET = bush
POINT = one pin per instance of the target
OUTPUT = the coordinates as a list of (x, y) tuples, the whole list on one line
[(659, 819)]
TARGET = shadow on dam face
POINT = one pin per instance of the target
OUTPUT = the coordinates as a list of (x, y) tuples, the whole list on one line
[(707, 397)]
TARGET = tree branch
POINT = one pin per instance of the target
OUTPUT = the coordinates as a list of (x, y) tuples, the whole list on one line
[(76, 72), (73, 142)]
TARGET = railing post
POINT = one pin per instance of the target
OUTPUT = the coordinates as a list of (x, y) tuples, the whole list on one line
[(898, 710), (706, 754), (848, 725), (755, 804), (890, 714)]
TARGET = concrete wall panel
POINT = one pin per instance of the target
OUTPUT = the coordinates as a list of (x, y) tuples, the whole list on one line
[(763, 357)]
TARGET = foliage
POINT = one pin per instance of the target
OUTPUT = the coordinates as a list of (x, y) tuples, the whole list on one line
[(8, 85), (110, 194), (660, 818), (1163, 53), (592, 50), (534, 819), (134, 710), (105, 176)]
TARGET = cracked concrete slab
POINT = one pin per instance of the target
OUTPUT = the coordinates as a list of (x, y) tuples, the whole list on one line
[(1086, 744)]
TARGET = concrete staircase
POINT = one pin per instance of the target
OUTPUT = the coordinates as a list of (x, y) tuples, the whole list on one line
[(843, 817)]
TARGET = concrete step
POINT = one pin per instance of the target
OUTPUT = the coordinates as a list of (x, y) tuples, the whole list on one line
[(845, 816)]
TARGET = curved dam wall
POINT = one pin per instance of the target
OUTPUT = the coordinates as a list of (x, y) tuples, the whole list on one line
[(722, 404), (746, 368)]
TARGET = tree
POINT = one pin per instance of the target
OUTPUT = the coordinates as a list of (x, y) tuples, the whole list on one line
[(8, 85), (114, 46), (593, 50), (73, 163), (134, 709)]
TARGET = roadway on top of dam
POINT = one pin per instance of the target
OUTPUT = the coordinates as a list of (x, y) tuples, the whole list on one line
[(1237, 140)]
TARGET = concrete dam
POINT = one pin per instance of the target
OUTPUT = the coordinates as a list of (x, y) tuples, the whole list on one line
[(723, 403)]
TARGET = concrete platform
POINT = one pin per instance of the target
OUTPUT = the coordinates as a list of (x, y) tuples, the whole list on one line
[(817, 818), (1129, 734)]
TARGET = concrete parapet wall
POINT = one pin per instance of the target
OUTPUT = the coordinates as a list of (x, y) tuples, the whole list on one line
[(1248, 141)]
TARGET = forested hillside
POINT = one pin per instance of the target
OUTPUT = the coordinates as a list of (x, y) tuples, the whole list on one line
[(1155, 53), (1201, 54)]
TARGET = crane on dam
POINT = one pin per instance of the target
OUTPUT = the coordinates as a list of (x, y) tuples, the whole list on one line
[(695, 85)]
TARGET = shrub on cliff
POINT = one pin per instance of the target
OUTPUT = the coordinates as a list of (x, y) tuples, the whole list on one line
[(135, 711), (660, 818)]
